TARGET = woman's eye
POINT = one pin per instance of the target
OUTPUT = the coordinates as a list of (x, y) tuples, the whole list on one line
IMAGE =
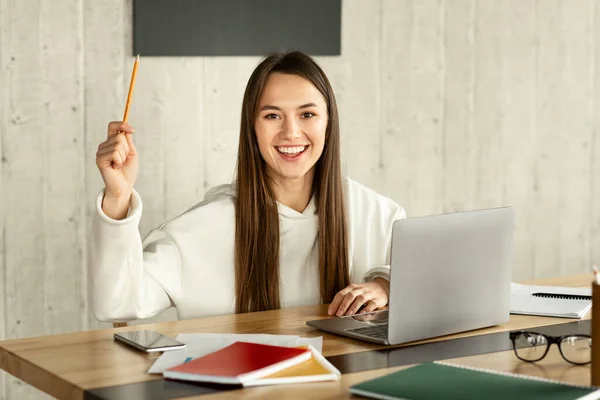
[(308, 115), (271, 116)]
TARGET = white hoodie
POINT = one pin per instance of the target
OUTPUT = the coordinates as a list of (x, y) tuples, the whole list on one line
[(188, 262)]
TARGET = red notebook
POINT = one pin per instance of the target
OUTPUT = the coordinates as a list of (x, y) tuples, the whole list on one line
[(238, 363)]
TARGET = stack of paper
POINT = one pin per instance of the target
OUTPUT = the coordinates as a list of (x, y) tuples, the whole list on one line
[(201, 344)]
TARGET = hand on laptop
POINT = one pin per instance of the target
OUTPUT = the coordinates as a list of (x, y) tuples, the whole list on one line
[(372, 295)]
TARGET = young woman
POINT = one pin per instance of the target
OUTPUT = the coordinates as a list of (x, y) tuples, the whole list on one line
[(289, 231)]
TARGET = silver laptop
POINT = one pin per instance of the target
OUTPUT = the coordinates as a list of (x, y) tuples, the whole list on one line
[(449, 273)]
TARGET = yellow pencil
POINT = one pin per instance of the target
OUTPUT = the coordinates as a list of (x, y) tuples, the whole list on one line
[(131, 83)]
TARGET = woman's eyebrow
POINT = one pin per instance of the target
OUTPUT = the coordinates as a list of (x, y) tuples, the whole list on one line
[(307, 105), (271, 107)]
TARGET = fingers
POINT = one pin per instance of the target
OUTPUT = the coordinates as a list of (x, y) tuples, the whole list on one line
[(339, 297), (370, 307), (115, 150), (337, 300), (116, 140), (119, 126), (356, 304), (111, 156), (348, 300)]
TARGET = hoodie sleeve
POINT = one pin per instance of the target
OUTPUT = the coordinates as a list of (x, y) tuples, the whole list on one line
[(130, 278), (370, 220), (384, 270)]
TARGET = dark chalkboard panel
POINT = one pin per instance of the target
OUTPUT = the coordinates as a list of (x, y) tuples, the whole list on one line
[(235, 27)]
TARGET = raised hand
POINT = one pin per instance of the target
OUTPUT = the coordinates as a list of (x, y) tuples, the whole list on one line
[(118, 163)]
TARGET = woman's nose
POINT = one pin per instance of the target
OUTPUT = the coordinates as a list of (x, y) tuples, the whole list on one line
[(291, 128)]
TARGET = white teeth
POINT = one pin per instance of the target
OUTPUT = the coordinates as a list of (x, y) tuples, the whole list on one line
[(291, 150)]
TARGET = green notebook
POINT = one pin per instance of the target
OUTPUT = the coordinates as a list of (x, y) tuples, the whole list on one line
[(453, 382)]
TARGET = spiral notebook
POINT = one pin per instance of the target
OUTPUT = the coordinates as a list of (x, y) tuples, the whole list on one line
[(438, 380), (550, 301)]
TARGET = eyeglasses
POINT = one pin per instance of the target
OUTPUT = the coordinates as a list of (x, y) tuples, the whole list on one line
[(533, 346)]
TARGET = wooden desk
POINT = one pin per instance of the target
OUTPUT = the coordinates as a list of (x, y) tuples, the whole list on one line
[(65, 366)]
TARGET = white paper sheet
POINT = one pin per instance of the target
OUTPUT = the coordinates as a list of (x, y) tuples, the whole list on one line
[(522, 301), (200, 344)]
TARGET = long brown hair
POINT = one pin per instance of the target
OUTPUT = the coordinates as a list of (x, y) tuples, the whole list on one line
[(256, 214)]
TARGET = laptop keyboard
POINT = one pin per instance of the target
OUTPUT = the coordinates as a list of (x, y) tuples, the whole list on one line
[(375, 331)]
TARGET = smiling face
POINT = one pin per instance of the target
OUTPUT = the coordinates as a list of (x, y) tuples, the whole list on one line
[(290, 127)]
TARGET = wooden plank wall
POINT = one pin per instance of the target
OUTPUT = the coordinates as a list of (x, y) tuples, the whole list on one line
[(444, 105)]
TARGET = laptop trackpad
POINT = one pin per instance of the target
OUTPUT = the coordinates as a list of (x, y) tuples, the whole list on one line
[(372, 318)]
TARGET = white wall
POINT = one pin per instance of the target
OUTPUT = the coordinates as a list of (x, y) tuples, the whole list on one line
[(445, 106)]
